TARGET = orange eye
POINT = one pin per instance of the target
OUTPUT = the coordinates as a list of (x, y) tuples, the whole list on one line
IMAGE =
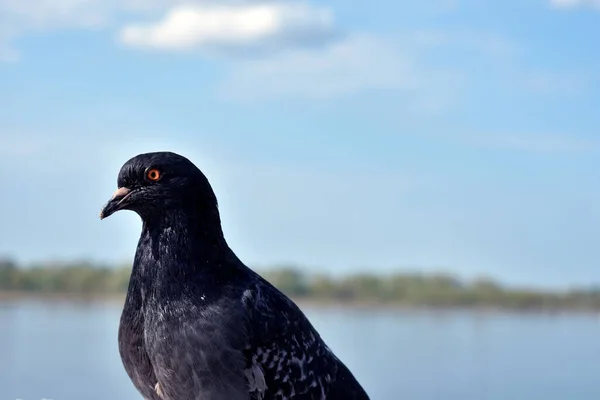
[(153, 174)]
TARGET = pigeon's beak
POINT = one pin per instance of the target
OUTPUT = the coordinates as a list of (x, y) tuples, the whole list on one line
[(117, 202)]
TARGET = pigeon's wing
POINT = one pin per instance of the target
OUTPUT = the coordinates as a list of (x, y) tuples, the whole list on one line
[(197, 351), (285, 358)]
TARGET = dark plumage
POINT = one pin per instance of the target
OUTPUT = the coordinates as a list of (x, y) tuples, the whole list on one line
[(197, 323)]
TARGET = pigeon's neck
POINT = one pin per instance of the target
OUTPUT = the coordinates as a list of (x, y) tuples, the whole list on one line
[(176, 246), (204, 223)]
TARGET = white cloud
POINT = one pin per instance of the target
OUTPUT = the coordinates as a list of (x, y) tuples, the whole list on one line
[(22, 17), (358, 63), (416, 63), (25, 15), (422, 66), (212, 26), (185, 23), (568, 4)]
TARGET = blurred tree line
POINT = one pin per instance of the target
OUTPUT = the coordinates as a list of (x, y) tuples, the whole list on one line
[(407, 289)]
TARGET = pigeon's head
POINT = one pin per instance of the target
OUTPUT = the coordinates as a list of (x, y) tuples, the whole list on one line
[(153, 184)]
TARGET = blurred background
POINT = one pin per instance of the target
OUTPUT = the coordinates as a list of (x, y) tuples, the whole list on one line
[(421, 178)]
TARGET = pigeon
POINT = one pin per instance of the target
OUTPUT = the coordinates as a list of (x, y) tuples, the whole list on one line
[(197, 323)]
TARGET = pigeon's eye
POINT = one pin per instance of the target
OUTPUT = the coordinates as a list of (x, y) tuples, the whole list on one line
[(153, 174)]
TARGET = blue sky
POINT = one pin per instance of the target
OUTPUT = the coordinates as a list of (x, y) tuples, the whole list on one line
[(451, 135)]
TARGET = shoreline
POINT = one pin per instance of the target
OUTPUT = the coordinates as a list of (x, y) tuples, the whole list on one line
[(309, 303)]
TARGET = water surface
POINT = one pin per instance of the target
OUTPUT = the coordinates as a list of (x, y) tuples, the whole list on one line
[(68, 351)]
